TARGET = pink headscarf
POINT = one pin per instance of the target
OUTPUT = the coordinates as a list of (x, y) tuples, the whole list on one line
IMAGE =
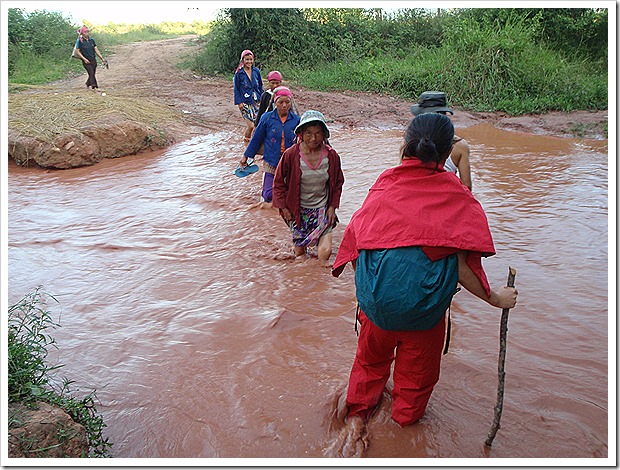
[(243, 54), (274, 75), (281, 91), (81, 31)]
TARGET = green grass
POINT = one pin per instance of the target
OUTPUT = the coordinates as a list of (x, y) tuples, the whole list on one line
[(33, 69), (528, 79), (31, 378)]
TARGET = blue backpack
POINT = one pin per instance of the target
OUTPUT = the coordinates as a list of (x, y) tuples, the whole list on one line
[(401, 289)]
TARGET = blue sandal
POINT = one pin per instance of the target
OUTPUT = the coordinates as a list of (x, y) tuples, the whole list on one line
[(247, 170)]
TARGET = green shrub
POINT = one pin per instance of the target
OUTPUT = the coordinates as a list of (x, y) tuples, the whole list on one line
[(29, 374), (501, 59)]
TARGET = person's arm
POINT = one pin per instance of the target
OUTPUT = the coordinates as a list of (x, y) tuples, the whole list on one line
[(259, 79), (461, 151), (338, 181), (505, 297), (100, 56), (258, 137)]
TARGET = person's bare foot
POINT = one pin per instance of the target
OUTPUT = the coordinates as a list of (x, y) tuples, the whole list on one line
[(352, 440)]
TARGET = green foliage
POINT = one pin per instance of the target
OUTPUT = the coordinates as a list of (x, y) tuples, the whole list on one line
[(503, 59), (516, 60), (481, 68), (28, 344), (291, 37), (574, 31), (214, 56), (40, 32), (43, 34), (33, 69), (29, 375)]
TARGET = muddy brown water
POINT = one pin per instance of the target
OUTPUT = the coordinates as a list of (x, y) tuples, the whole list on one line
[(182, 306)]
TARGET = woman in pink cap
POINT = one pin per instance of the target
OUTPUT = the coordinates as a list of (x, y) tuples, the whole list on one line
[(276, 131), (248, 90), (266, 101)]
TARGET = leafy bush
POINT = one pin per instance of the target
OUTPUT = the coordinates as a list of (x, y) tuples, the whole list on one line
[(482, 66), (573, 31), (29, 375), (41, 32)]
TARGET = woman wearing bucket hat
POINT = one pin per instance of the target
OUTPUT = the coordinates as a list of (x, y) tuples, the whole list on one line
[(458, 161), (276, 132), (308, 185), (248, 89)]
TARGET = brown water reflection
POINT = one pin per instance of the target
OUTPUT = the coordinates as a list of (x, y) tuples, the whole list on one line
[(203, 338)]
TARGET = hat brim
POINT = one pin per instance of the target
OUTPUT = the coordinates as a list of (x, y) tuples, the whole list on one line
[(301, 125), (416, 109)]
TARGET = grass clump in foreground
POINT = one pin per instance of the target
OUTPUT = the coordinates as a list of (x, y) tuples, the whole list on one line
[(29, 375)]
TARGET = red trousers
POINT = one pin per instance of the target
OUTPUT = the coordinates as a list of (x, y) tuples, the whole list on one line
[(417, 356)]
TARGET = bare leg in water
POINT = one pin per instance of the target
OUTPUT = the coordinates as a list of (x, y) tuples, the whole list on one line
[(352, 440)]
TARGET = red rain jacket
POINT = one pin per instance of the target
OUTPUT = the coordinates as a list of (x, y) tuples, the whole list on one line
[(415, 204)]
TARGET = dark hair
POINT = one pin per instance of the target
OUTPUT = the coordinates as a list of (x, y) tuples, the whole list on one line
[(429, 137)]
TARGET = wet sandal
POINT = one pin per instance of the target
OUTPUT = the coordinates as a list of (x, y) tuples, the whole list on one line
[(247, 170)]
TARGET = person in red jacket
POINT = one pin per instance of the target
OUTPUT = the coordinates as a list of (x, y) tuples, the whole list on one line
[(308, 185), (418, 233)]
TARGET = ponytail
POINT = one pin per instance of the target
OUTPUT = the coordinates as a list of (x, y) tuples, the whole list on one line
[(429, 138)]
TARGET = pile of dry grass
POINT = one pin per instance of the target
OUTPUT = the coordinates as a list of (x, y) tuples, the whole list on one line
[(44, 116)]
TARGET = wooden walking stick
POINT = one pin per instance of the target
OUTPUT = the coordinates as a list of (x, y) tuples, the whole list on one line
[(503, 331)]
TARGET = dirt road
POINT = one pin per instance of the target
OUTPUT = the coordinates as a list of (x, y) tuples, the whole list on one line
[(149, 70)]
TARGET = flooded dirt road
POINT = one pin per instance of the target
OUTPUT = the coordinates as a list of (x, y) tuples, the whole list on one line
[(204, 338)]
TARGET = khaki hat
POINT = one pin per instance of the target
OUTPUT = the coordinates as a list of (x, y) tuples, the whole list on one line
[(312, 116), (431, 102)]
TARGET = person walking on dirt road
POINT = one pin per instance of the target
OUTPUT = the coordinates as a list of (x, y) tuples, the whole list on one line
[(86, 50), (248, 90)]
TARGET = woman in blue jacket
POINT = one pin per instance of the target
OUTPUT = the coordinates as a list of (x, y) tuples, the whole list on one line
[(248, 88), (276, 130)]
